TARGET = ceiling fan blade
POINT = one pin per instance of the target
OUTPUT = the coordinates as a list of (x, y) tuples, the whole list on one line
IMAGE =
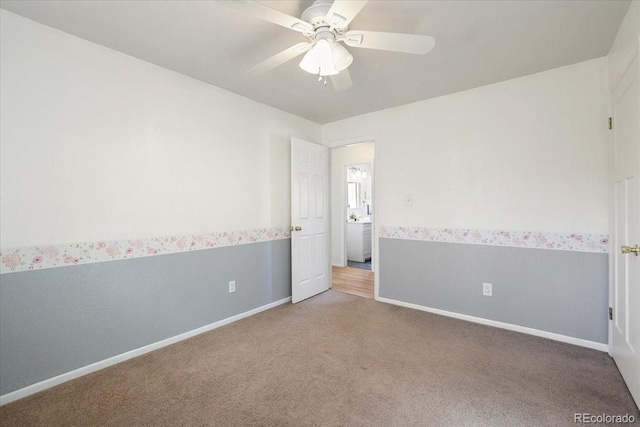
[(396, 42), (279, 58), (342, 81), (266, 13), (342, 12)]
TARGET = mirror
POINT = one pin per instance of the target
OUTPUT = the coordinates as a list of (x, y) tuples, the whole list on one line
[(353, 195)]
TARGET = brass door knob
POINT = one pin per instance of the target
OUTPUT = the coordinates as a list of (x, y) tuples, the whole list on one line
[(298, 228), (630, 250)]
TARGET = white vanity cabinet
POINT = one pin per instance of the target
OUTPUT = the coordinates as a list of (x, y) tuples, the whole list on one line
[(358, 241)]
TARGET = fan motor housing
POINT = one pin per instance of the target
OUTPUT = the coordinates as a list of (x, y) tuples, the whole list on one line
[(316, 13)]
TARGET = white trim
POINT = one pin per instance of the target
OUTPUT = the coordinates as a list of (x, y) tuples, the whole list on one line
[(76, 373), (344, 177), (351, 141), (375, 259), (511, 327)]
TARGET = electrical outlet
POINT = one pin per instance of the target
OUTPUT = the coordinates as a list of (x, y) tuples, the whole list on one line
[(232, 286), (487, 289), (408, 200)]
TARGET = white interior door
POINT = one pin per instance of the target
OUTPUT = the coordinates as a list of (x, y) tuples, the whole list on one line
[(625, 328), (310, 227)]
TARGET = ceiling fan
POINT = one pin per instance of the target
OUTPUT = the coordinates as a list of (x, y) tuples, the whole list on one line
[(325, 24)]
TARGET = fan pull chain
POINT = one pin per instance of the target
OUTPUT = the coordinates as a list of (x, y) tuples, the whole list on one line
[(320, 76)]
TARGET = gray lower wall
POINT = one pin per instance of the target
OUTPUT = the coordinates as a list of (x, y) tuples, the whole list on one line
[(563, 292), (56, 320)]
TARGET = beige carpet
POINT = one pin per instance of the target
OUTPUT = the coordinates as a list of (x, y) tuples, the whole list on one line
[(341, 360)]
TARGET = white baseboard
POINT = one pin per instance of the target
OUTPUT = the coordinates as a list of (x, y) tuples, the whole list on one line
[(523, 329), (76, 373)]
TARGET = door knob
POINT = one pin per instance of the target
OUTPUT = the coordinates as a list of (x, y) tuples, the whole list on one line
[(630, 250), (297, 228)]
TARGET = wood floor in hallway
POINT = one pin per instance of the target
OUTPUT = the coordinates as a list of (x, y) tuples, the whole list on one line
[(354, 281)]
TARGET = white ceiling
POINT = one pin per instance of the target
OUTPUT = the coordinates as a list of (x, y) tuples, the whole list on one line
[(477, 43)]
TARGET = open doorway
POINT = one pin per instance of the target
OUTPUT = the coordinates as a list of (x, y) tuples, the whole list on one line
[(358, 213), (353, 219)]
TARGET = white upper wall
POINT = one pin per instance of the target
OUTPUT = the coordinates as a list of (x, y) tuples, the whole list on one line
[(625, 46), (96, 144), (525, 154)]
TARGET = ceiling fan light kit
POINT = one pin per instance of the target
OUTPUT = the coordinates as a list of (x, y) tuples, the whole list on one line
[(341, 57), (326, 57), (319, 60), (325, 25)]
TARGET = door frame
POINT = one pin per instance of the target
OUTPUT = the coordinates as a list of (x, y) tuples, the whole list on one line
[(621, 348), (375, 259), (610, 179)]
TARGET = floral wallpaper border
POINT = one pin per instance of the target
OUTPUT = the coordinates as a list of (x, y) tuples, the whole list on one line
[(40, 257), (581, 242)]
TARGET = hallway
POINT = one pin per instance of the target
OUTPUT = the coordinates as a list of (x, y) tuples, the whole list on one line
[(354, 281)]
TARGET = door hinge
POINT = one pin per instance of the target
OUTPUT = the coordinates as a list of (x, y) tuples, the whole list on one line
[(610, 122), (610, 313)]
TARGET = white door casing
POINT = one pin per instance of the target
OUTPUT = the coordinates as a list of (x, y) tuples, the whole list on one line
[(625, 292), (310, 221)]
